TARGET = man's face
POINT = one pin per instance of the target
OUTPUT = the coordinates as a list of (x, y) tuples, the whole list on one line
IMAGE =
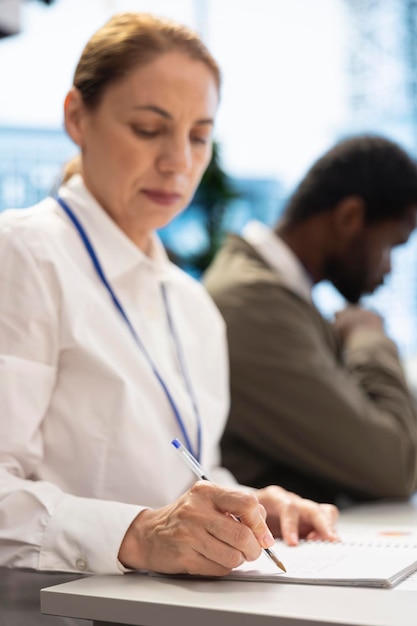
[(362, 266)]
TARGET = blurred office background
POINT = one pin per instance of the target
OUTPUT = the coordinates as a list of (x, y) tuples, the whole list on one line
[(298, 76)]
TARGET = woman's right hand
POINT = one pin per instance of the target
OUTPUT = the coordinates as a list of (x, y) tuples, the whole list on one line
[(197, 534)]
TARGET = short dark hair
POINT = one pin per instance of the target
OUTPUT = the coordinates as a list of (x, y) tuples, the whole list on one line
[(368, 166)]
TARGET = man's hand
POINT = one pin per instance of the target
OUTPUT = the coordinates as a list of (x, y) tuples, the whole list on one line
[(355, 318)]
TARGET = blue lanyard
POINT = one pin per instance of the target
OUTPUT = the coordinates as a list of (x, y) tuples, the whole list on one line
[(99, 270)]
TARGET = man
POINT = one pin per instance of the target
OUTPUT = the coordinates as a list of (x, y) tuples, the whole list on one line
[(323, 409)]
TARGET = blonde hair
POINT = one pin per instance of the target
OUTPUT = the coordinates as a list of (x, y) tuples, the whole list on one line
[(126, 41), (129, 40), (74, 166)]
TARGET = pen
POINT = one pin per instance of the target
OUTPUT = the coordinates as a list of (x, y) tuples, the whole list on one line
[(195, 467)]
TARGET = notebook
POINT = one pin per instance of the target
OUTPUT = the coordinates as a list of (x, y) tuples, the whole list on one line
[(366, 557)]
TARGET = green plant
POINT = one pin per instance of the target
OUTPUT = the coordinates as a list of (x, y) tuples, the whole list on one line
[(213, 196)]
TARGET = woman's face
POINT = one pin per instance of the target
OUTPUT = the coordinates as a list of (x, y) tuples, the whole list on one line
[(146, 146)]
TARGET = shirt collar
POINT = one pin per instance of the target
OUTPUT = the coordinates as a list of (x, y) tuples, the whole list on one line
[(116, 252), (279, 257)]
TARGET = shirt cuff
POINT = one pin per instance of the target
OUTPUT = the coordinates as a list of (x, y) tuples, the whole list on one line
[(368, 340), (84, 535)]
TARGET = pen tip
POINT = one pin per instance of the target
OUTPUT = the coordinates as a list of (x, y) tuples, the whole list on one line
[(277, 561), (176, 443)]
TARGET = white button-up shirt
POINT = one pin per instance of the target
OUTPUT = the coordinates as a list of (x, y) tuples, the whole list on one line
[(85, 427)]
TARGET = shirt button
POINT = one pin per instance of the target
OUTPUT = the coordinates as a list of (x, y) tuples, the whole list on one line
[(81, 564)]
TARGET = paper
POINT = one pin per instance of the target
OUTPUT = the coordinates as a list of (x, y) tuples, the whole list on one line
[(369, 557), (409, 584)]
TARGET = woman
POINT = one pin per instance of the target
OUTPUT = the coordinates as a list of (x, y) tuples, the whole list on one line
[(108, 351)]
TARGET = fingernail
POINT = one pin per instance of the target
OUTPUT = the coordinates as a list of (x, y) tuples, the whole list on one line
[(293, 538), (268, 540)]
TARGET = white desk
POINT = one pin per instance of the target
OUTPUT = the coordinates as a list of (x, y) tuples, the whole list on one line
[(147, 601)]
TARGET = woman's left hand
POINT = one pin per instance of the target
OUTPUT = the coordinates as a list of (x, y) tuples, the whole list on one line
[(291, 517)]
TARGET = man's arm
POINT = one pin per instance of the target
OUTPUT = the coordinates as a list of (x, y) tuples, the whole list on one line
[(294, 400)]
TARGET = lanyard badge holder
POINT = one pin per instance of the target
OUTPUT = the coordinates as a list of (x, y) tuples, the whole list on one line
[(99, 271)]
